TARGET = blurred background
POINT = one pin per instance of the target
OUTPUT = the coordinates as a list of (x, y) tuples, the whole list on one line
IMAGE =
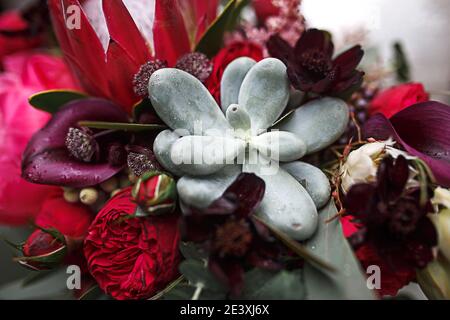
[(422, 26)]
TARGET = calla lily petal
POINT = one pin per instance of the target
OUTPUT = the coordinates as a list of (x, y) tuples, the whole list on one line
[(46, 160), (183, 102), (423, 130), (232, 79), (265, 93)]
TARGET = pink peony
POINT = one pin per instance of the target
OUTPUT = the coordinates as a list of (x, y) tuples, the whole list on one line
[(24, 75)]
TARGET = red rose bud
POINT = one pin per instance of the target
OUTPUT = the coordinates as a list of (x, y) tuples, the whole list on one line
[(43, 250), (155, 193), (395, 99), (129, 257)]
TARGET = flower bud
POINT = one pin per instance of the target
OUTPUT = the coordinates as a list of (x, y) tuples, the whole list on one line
[(71, 196), (89, 196), (362, 164), (435, 279), (155, 193), (43, 250), (441, 197), (442, 224)]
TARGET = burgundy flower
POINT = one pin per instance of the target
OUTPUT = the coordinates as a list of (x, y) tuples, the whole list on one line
[(423, 130), (391, 218), (311, 67), (129, 257), (64, 154), (230, 234)]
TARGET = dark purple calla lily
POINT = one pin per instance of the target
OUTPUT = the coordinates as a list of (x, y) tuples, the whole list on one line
[(46, 159), (423, 130)]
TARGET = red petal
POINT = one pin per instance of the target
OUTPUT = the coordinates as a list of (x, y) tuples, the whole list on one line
[(120, 72), (349, 60), (124, 31), (170, 35)]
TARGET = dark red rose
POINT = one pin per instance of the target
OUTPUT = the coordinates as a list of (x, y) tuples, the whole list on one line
[(71, 219), (265, 9), (13, 37), (129, 257), (395, 99), (225, 57)]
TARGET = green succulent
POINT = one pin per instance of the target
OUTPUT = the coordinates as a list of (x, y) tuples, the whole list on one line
[(235, 138)]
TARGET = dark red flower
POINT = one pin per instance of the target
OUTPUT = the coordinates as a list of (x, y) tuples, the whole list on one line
[(72, 220), (43, 250), (264, 9), (227, 55), (395, 99), (230, 234), (17, 33), (64, 154), (392, 219), (105, 54), (311, 67), (62, 227), (129, 257), (423, 131)]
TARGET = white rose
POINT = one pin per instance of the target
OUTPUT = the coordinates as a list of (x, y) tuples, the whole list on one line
[(362, 164)]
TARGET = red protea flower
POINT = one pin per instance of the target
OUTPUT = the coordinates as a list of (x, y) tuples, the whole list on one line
[(108, 42)]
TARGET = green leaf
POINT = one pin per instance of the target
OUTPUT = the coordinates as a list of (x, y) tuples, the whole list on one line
[(36, 276), (401, 63), (140, 107), (93, 293), (52, 100), (296, 247), (212, 40), (192, 251), (129, 127), (198, 273), (181, 292), (260, 284), (171, 286), (329, 244)]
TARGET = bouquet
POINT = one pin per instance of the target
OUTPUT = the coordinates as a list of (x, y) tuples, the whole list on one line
[(189, 149)]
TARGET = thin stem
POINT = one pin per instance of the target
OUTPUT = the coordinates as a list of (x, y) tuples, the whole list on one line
[(198, 291)]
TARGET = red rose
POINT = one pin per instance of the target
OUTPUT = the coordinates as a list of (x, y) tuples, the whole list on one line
[(225, 57), (395, 99), (132, 258), (11, 22), (265, 9), (71, 219)]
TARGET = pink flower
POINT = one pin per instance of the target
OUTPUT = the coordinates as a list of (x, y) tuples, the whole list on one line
[(24, 75)]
